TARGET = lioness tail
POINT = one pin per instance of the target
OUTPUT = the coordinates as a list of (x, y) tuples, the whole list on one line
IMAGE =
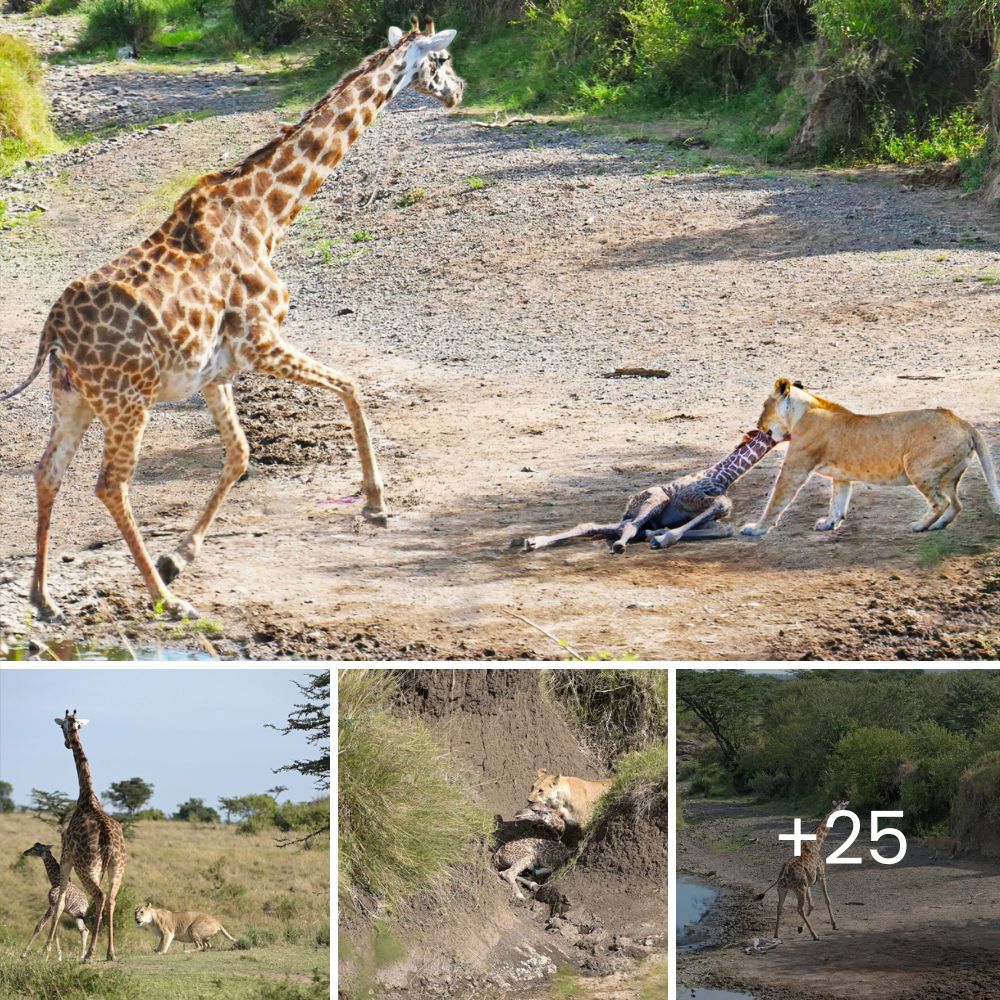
[(986, 461), (227, 934)]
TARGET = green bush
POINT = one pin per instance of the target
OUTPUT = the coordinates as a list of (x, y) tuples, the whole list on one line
[(867, 767), (267, 22), (120, 22), (407, 822), (24, 111), (37, 980)]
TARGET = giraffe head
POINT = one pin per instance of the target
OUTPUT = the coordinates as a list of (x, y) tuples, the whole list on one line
[(70, 725), (38, 850), (428, 64)]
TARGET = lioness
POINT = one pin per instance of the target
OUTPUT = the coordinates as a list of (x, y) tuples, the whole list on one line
[(929, 449), (573, 798), (942, 845), (193, 928)]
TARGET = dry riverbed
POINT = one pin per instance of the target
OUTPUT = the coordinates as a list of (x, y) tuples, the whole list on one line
[(914, 931), (480, 283)]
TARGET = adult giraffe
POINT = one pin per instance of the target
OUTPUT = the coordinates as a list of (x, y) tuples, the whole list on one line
[(198, 302)]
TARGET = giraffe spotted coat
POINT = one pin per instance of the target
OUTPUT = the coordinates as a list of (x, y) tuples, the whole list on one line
[(539, 853)]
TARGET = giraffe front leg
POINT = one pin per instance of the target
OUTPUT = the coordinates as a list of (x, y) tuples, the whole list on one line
[(71, 416), (122, 439), (586, 530), (38, 927), (270, 355), (793, 476), (671, 536), (223, 409), (829, 907)]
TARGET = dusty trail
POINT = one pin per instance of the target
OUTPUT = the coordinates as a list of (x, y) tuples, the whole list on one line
[(479, 318), (906, 932)]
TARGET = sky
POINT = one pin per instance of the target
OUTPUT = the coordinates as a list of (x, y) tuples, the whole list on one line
[(195, 732)]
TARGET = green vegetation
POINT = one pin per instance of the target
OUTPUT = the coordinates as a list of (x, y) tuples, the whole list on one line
[(903, 739), (640, 777), (407, 822), (24, 111), (411, 197), (614, 711), (278, 899), (120, 22)]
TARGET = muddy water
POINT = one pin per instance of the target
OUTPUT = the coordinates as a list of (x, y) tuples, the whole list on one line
[(684, 993), (65, 650), (693, 900)]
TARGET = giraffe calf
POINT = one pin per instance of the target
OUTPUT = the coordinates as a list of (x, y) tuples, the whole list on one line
[(539, 854), (186, 926)]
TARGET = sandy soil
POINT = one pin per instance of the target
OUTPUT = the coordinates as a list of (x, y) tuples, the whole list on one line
[(479, 321), (905, 932)]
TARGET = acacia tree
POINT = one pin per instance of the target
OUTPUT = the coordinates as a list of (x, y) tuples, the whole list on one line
[(6, 797), (312, 718), (131, 794), (52, 807)]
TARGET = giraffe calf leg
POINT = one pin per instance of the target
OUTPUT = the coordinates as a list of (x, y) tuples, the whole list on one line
[(585, 530)]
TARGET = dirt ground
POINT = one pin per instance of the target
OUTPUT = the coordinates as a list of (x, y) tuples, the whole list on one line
[(479, 319), (601, 926), (907, 932)]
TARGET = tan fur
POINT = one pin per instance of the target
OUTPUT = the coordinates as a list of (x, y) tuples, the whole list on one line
[(574, 798), (186, 926), (942, 845), (928, 449)]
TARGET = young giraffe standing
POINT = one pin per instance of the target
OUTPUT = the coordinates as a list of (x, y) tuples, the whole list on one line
[(802, 872), (92, 843), (198, 302), (77, 903)]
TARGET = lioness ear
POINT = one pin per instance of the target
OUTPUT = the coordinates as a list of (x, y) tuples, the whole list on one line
[(783, 386), (541, 771), (798, 384)]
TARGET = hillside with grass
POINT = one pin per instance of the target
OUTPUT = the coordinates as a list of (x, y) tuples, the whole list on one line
[(433, 765), (274, 901)]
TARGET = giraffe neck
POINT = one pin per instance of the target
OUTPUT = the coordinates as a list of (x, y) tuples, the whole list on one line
[(747, 454), (270, 187), (51, 867), (87, 797), (821, 831)]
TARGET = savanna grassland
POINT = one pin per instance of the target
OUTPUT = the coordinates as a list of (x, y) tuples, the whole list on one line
[(274, 901)]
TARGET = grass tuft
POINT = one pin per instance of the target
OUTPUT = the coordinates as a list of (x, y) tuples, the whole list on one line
[(407, 821), (24, 112)]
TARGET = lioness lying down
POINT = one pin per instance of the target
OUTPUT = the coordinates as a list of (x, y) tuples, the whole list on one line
[(189, 927), (929, 449)]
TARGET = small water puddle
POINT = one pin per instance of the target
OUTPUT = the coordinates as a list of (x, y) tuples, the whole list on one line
[(68, 651), (685, 993), (693, 901)]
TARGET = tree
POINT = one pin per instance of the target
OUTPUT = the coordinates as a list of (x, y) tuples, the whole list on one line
[(229, 806), (52, 807), (726, 702), (313, 719), (195, 811), (6, 800), (130, 794)]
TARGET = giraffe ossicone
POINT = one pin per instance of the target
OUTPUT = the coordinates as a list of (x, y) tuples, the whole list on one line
[(197, 303)]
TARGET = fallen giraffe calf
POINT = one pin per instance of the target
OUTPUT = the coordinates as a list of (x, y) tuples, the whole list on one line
[(539, 854), (664, 515)]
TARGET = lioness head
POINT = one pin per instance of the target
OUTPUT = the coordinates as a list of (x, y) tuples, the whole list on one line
[(544, 787), (779, 415), (143, 914)]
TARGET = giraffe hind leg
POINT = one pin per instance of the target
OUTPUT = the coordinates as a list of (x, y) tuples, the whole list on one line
[(223, 409), (782, 892), (803, 898), (586, 530), (122, 440), (71, 416)]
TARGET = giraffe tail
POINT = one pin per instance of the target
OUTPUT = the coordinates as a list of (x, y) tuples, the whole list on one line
[(45, 347), (757, 899), (986, 461)]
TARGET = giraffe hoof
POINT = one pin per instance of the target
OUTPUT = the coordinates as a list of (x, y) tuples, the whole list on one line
[(180, 610), (618, 547), (376, 516), (48, 610), (168, 568), (524, 544)]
